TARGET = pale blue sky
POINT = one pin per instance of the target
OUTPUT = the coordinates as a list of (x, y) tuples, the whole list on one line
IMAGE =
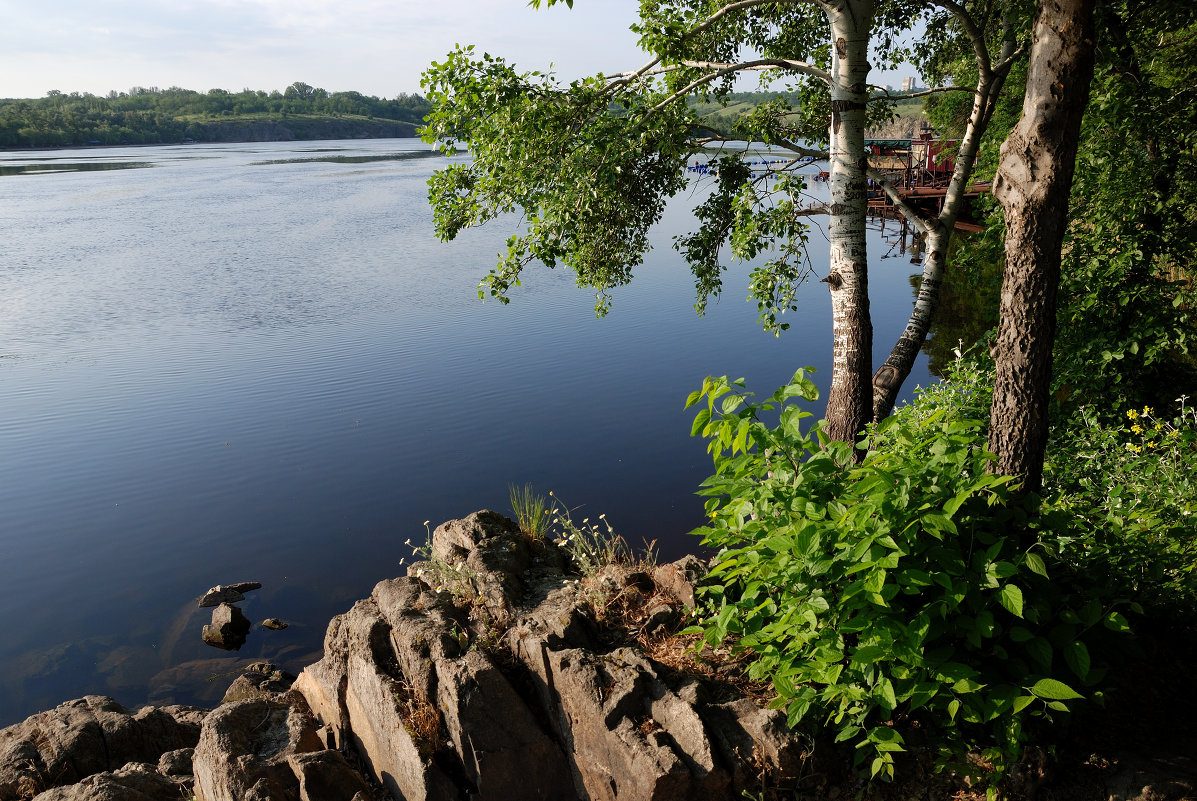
[(377, 47)]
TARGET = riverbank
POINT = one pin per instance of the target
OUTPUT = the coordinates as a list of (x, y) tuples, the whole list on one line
[(495, 670), (254, 128)]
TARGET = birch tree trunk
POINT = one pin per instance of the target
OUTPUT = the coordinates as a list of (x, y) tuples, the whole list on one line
[(1033, 182), (890, 376), (849, 401)]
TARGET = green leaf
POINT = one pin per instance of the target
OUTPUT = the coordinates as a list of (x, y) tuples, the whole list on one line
[(1116, 622), (1020, 634), (700, 420), (1077, 657), (1010, 596), (1035, 564), (888, 699), (1053, 690), (1021, 703)]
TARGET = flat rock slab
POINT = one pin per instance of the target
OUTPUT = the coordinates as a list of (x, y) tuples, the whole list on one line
[(228, 593)]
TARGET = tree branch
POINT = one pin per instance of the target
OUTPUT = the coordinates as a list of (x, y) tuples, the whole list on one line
[(909, 212), (626, 78), (937, 90), (971, 30), (727, 69)]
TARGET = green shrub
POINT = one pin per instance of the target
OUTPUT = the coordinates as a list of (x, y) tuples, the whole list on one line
[(910, 588), (1130, 486)]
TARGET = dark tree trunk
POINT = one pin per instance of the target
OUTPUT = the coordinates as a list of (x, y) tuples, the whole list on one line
[(1033, 182)]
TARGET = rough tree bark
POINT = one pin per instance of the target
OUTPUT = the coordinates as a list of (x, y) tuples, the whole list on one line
[(849, 400), (1032, 184)]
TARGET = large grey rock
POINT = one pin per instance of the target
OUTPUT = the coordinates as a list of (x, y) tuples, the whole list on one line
[(326, 776), (87, 736), (492, 548), (228, 628), (244, 750), (260, 680), (505, 751), (135, 781), (357, 693)]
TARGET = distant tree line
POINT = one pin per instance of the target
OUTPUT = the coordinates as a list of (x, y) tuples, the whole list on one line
[(152, 115)]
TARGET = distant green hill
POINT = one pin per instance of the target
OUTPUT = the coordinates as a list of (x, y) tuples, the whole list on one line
[(721, 116), (163, 116)]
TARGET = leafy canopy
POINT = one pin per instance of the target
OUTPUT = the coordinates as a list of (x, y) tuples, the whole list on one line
[(590, 165)]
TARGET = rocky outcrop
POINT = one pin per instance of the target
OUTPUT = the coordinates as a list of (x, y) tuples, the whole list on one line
[(90, 736), (486, 673)]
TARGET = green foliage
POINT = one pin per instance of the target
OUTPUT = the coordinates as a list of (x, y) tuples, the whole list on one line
[(1126, 313), (590, 182), (530, 510), (910, 587), (590, 165), (1129, 486)]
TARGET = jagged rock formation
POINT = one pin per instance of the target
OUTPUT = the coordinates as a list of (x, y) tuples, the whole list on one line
[(552, 710)]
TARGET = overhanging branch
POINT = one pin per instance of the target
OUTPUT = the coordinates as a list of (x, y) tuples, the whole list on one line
[(909, 212)]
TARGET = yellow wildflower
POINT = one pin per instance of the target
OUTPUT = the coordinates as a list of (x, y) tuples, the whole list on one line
[(1136, 428), (1132, 414)]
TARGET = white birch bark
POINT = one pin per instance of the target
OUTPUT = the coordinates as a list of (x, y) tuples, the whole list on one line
[(849, 401)]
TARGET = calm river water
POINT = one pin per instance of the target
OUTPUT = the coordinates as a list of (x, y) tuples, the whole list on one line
[(223, 363)]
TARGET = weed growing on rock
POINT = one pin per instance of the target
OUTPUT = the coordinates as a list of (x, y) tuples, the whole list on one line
[(530, 510), (592, 546), (421, 720), (460, 581)]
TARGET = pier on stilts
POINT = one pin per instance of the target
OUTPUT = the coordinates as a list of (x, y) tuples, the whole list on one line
[(921, 170)]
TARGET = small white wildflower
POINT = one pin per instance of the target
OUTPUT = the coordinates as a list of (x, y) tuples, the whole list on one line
[(458, 568), (438, 590), (402, 561), (419, 572), (407, 541), (426, 522)]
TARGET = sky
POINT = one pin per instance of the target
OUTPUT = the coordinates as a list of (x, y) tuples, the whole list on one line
[(376, 47)]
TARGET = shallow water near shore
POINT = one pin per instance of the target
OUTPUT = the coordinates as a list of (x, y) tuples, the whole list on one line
[(241, 363)]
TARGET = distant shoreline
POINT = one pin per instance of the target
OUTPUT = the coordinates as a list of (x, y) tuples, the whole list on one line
[(39, 148)]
